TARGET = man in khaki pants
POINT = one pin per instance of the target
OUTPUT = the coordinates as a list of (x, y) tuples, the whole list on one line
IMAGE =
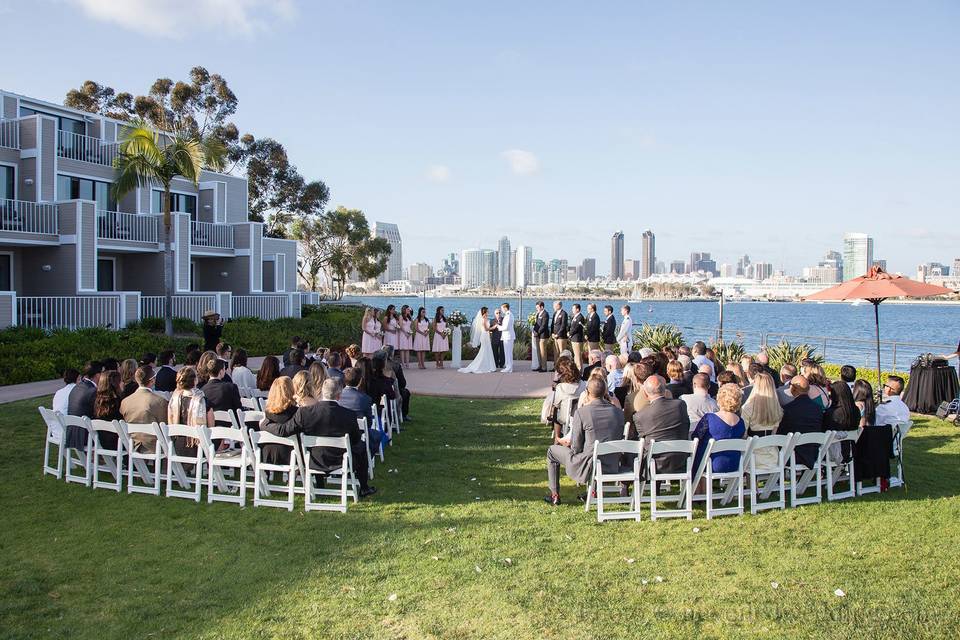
[(541, 336), (593, 328), (577, 325), (560, 328)]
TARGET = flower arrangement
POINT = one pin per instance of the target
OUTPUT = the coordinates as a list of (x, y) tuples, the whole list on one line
[(456, 319), (532, 318)]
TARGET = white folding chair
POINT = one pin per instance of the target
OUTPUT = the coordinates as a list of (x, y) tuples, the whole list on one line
[(896, 452), (371, 459), (228, 417), (220, 463), (766, 479), (106, 460), (177, 461), (77, 457), (250, 404), (56, 436), (389, 419), (348, 486), (683, 499), (802, 476), (141, 478), (249, 418), (602, 482), (262, 488), (728, 483), (838, 471)]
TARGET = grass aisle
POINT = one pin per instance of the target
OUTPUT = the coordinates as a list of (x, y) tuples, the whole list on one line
[(465, 498)]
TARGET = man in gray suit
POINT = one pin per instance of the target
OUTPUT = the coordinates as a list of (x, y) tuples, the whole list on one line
[(699, 403), (596, 421), (663, 419)]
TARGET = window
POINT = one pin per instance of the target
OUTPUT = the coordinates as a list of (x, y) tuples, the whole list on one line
[(6, 272), (179, 203), (63, 123), (105, 274), (73, 188), (7, 183)]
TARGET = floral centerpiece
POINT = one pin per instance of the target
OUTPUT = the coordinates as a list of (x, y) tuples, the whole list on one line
[(456, 319), (532, 318)]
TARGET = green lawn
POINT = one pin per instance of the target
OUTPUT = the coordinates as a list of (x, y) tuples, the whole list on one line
[(465, 498)]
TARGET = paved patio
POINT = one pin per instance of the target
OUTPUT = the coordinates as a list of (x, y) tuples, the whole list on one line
[(522, 383)]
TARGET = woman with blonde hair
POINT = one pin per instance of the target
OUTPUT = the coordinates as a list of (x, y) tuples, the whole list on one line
[(372, 332), (280, 407), (737, 370), (303, 389), (724, 424), (597, 374), (128, 385), (819, 385), (188, 406), (762, 414), (318, 373)]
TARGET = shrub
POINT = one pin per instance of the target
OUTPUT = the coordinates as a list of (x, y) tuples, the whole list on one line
[(658, 336), (784, 353), (727, 352)]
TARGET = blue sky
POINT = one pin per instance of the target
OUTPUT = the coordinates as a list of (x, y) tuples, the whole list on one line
[(742, 127)]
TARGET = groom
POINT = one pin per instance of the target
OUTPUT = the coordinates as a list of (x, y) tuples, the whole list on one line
[(506, 336)]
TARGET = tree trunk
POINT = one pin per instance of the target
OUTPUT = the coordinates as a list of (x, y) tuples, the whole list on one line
[(167, 264)]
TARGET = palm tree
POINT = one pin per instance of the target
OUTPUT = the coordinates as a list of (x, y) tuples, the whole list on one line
[(148, 158)]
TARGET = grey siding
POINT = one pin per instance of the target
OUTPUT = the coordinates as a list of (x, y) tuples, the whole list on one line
[(132, 310), (110, 131), (288, 249), (87, 246), (28, 171), (10, 156), (256, 257), (221, 213), (268, 271), (142, 272), (60, 280), (9, 107), (48, 159), (182, 253), (68, 165), (6, 310), (28, 133), (206, 199)]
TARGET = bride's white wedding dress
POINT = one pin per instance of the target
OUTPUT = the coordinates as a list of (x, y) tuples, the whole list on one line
[(480, 335)]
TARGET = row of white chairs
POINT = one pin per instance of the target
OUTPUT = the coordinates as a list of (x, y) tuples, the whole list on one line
[(227, 473), (756, 476)]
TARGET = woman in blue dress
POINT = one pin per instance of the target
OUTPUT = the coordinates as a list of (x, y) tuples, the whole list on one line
[(721, 425)]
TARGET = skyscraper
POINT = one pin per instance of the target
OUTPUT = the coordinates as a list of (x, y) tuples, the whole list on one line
[(631, 269), (471, 268), (418, 272), (616, 256), (648, 255), (491, 269), (588, 269), (524, 267), (390, 231), (678, 267), (762, 271), (857, 255), (503, 263), (743, 265)]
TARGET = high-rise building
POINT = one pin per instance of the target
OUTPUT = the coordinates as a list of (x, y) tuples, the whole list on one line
[(661, 266), (955, 269), (821, 274), (727, 270), (391, 233), (450, 266), (524, 267), (557, 271), (471, 268), (588, 269), (503, 263), (857, 255), (762, 270), (616, 256), (743, 264), (631, 269), (513, 269), (573, 273), (700, 261), (418, 272), (539, 272), (878, 262), (491, 268), (678, 267), (648, 255)]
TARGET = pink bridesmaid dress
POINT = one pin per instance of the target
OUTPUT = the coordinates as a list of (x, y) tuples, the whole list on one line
[(371, 343), (406, 340), (391, 337), (421, 341), (440, 342)]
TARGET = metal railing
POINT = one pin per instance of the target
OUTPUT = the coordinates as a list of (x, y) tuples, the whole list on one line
[(184, 306), (208, 234), (28, 217), (86, 148), (68, 312), (10, 134), (266, 307), (116, 225)]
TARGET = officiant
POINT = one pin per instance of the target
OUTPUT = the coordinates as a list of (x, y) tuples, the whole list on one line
[(497, 341)]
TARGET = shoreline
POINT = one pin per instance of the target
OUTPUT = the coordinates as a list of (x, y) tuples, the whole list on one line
[(469, 296)]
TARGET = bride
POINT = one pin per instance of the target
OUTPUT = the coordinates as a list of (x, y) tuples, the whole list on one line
[(480, 337)]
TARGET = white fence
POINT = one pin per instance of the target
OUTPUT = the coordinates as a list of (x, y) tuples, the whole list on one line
[(207, 234), (28, 217), (10, 134), (65, 312), (264, 306), (184, 306), (115, 225), (89, 149)]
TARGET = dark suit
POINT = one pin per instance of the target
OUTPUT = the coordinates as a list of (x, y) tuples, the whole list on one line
[(802, 415), (661, 420), (221, 395), (593, 331), (587, 370), (541, 334), (609, 333), (402, 385), (80, 403), (678, 389), (577, 337), (327, 418), (291, 370), (496, 341), (166, 379), (560, 326)]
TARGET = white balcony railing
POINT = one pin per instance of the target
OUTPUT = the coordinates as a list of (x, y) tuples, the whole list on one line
[(79, 147), (184, 306), (207, 234), (10, 134), (116, 225), (66, 312), (28, 217), (266, 307)]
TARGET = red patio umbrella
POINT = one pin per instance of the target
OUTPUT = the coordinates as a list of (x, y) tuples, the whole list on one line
[(877, 286)]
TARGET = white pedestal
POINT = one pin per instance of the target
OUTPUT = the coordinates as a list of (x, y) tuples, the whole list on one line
[(534, 356), (456, 346)]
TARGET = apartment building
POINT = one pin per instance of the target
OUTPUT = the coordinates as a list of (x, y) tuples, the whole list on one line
[(71, 255)]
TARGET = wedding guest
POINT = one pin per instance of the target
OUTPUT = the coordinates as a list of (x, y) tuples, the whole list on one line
[(372, 332), (241, 374), (699, 402), (577, 336), (62, 396), (597, 421), (106, 406), (496, 340), (294, 345), (540, 335), (192, 358), (269, 371), (401, 388), (725, 424), (892, 409), (559, 330), (614, 372), (352, 355), (700, 359), (280, 407), (212, 329), (149, 358), (144, 406), (127, 384), (594, 360), (727, 377), (566, 395), (359, 402), (593, 328), (166, 376), (627, 384), (676, 385), (754, 370), (441, 337), (303, 389), (203, 367), (737, 370), (608, 333), (220, 393), (390, 325), (297, 364), (80, 403), (225, 352), (319, 373), (405, 336), (662, 419), (762, 412), (848, 373), (598, 374), (188, 406), (819, 385), (381, 382), (625, 332), (787, 372), (843, 414), (421, 338), (763, 359), (636, 397), (110, 364), (802, 415)]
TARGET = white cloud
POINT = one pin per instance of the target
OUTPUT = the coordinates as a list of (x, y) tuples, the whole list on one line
[(522, 163), (438, 173), (178, 18)]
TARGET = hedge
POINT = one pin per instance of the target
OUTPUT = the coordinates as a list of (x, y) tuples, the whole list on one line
[(30, 355)]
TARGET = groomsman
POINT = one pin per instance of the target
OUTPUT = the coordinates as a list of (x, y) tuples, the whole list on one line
[(593, 328), (541, 336), (577, 325), (561, 328), (609, 332), (625, 333)]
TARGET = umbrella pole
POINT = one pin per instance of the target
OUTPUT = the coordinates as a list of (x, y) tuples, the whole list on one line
[(876, 318)]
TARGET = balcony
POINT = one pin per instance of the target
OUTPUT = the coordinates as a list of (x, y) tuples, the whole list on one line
[(116, 225), (86, 148), (20, 216), (208, 234), (10, 134)]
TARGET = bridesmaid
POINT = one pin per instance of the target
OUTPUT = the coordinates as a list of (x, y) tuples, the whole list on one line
[(406, 334), (440, 342), (391, 328), (372, 334), (421, 337)]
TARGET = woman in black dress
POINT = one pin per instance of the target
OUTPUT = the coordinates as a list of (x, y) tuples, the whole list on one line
[(280, 407), (106, 406), (212, 330)]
